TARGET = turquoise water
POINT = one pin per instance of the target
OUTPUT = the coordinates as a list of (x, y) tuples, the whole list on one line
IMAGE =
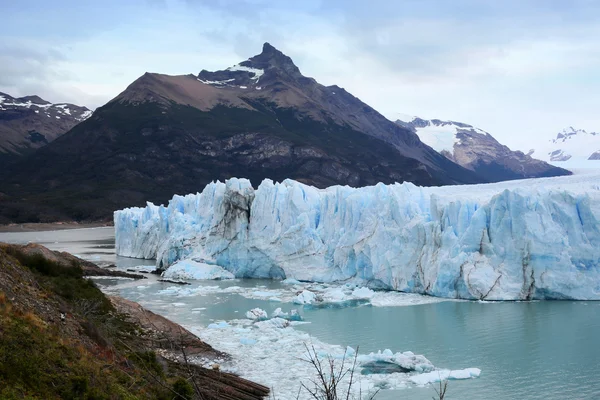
[(526, 350), (541, 350)]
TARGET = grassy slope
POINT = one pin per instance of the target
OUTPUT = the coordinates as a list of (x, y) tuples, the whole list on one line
[(94, 353)]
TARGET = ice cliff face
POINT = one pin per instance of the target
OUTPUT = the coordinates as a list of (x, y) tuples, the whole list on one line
[(515, 240)]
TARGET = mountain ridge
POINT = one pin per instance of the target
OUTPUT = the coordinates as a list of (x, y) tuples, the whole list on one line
[(30, 122), (174, 134), (478, 150)]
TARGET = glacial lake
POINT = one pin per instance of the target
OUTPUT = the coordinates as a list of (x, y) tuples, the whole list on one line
[(525, 350)]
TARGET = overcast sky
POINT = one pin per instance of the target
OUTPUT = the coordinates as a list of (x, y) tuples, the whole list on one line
[(520, 69)]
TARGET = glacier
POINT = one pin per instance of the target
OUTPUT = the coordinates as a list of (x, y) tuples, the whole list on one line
[(517, 240)]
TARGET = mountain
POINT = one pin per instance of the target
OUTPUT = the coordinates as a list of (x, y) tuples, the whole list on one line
[(28, 123), (477, 150), (174, 134), (572, 144)]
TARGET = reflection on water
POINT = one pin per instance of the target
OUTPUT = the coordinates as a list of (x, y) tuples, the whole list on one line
[(537, 350)]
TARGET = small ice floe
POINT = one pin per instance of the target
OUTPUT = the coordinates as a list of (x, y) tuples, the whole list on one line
[(257, 314), (219, 325), (190, 269), (445, 374), (305, 297)]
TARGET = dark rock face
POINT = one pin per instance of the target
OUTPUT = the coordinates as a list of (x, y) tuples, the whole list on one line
[(595, 156), (261, 119), (28, 123)]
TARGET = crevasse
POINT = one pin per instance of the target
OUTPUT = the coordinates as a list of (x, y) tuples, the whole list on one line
[(531, 239)]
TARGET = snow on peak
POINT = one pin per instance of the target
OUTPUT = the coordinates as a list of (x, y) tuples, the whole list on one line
[(569, 132), (257, 72), (85, 115), (405, 117), (439, 135), (220, 83), (58, 109), (573, 145)]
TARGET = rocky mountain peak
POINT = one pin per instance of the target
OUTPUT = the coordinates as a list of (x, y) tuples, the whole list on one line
[(30, 122), (270, 59), (268, 67), (571, 132), (34, 99)]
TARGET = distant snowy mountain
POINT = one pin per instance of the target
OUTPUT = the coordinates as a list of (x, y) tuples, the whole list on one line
[(477, 150), (572, 144), (28, 123)]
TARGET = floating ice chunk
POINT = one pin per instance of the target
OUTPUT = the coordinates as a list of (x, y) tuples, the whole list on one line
[(189, 269), (291, 281), (257, 314), (218, 325), (306, 297), (363, 293), (408, 361), (247, 341), (441, 375), (233, 289), (278, 323), (293, 315), (264, 293)]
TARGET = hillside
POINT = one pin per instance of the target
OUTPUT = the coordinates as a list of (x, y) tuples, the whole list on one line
[(61, 338), (28, 123), (174, 134)]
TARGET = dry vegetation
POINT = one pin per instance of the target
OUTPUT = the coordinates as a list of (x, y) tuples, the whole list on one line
[(61, 338)]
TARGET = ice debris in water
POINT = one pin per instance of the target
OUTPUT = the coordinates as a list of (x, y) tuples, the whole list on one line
[(442, 375), (252, 343), (218, 325), (306, 297), (515, 240), (293, 315), (190, 269), (257, 314)]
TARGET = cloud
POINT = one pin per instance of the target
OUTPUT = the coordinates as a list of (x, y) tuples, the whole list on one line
[(519, 69)]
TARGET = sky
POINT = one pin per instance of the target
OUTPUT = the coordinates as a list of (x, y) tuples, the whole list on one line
[(520, 69)]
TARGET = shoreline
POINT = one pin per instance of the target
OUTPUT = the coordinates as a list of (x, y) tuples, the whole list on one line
[(51, 226)]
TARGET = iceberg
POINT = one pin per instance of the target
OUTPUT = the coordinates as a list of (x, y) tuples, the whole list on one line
[(190, 269), (518, 240)]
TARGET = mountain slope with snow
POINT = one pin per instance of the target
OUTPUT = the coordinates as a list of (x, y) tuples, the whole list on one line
[(572, 145), (28, 123), (532, 239), (477, 150)]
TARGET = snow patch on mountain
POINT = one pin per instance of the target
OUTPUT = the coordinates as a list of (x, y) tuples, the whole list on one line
[(257, 72), (572, 144), (57, 110), (439, 135)]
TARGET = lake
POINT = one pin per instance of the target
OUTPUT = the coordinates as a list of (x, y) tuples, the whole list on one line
[(525, 350)]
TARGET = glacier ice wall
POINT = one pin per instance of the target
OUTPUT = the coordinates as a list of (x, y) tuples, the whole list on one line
[(530, 239)]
